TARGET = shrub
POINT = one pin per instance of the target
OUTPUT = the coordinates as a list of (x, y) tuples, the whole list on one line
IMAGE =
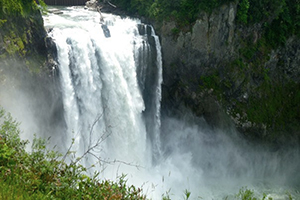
[(43, 174)]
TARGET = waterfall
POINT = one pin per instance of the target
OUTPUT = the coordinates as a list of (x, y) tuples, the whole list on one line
[(103, 82), (157, 123)]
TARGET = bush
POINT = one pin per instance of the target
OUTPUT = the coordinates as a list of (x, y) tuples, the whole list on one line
[(242, 13), (43, 174)]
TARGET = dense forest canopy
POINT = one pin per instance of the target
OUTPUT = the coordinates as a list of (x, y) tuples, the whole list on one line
[(280, 18)]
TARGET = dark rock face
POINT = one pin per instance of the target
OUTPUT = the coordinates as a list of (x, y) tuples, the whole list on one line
[(210, 39), (191, 55), (204, 71), (287, 59)]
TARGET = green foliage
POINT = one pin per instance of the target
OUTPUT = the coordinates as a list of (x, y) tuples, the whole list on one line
[(273, 108), (175, 31), (141, 6), (211, 81), (2, 21), (183, 11), (187, 194), (242, 13), (282, 27), (43, 174), (267, 103), (247, 194), (14, 44), (9, 131), (166, 195), (20, 23), (280, 18), (260, 11), (209, 5), (10, 8)]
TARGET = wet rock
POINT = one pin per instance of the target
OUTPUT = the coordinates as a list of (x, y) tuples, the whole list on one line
[(92, 4), (56, 12), (106, 31)]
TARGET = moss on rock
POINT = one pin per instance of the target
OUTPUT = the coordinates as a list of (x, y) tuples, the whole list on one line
[(22, 33)]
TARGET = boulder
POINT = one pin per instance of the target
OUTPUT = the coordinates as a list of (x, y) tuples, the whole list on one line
[(92, 4)]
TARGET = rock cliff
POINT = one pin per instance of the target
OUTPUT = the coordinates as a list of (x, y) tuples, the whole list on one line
[(229, 74)]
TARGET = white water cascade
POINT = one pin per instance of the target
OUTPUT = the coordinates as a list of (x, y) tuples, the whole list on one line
[(111, 90), (102, 98)]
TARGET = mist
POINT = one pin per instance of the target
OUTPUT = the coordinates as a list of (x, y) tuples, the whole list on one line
[(224, 161), (32, 99)]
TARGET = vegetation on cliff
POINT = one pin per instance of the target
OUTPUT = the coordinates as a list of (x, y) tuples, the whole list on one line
[(263, 103), (184, 11), (22, 32), (280, 16), (263, 70)]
